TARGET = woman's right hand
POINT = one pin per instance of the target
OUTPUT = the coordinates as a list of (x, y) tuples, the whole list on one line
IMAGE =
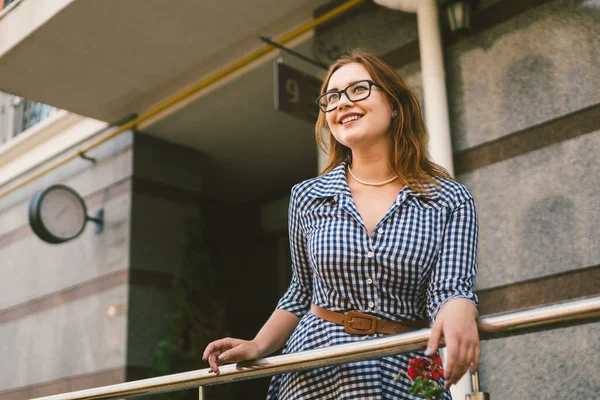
[(271, 337), (230, 350)]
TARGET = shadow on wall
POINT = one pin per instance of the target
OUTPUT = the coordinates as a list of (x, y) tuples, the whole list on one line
[(548, 230), (530, 85)]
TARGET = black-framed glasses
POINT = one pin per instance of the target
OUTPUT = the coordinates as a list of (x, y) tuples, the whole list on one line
[(357, 91)]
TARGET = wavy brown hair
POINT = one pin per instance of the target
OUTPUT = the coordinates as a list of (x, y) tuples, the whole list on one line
[(409, 157)]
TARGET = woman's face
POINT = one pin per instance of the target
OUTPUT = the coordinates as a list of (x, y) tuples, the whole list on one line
[(374, 113)]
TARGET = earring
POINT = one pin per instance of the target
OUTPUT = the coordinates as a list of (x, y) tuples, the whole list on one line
[(395, 114)]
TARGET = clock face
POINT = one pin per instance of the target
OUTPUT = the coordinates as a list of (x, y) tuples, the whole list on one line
[(57, 214), (62, 213)]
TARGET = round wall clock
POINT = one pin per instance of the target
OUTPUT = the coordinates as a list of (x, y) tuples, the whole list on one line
[(58, 214)]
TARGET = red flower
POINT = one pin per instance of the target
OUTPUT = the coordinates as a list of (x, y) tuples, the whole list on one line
[(420, 364), (412, 373), (424, 373), (419, 367), (436, 367)]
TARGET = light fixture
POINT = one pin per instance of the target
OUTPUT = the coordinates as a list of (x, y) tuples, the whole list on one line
[(459, 14)]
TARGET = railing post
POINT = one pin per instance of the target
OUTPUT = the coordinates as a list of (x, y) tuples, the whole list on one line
[(477, 395), (200, 393)]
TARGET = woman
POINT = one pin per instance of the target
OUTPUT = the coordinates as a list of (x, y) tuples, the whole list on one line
[(384, 233)]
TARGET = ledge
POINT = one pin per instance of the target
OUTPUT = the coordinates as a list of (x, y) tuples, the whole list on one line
[(44, 141)]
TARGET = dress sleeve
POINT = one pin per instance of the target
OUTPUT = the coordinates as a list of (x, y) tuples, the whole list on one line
[(298, 296), (454, 273)]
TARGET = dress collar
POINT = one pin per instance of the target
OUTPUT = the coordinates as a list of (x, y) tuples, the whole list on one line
[(334, 183)]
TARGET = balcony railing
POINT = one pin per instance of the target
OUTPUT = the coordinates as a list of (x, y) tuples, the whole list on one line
[(18, 114), (490, 327)]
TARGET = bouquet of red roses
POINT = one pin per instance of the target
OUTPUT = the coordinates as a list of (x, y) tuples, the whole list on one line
[(424, 374)]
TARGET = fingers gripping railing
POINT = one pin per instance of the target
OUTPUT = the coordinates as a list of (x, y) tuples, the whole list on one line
[(515, 323)]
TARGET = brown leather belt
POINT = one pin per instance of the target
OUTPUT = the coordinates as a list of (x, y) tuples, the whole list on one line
[(364, 324)]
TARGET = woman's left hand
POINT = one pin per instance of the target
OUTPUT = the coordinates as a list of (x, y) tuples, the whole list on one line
[(456, 322)]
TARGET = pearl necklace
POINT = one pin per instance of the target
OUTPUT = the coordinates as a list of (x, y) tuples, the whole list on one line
[(372, 183)]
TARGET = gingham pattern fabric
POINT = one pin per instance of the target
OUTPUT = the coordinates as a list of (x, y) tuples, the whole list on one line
[(422, 253)]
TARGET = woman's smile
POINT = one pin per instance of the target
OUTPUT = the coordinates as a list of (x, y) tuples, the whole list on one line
[(350, 118)]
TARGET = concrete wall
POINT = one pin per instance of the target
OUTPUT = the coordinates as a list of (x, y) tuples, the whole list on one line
[(538, 210), (534, 68), (167, 185), (50, 295)]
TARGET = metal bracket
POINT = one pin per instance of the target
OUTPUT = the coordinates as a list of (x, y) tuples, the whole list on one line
[(294, 53), (476, 395), (98, 220), (86, 157)]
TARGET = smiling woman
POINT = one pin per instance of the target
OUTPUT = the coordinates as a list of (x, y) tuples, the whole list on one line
[(383, 242)]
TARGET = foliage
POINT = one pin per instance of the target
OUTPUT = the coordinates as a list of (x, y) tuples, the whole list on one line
[(426, 388), (198, 315)]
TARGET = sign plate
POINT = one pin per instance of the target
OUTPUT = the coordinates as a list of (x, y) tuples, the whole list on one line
[(296, 92)]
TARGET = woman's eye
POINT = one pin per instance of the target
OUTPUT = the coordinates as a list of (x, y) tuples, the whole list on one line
[(359, 89), (333, 97)]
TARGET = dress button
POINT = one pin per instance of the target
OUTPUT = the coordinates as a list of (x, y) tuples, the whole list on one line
[(371, 304), (370, 254), (380, 231), (369, 281)]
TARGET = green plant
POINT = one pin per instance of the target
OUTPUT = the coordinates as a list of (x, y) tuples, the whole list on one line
[(198, 315)]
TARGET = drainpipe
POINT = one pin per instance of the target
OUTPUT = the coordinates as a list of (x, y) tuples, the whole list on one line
[(435, 104), (433, 75)]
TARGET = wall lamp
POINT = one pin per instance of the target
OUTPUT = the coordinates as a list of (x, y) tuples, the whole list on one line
[(459, 14)]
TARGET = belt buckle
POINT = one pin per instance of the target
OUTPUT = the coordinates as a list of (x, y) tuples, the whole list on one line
[(360, 323)]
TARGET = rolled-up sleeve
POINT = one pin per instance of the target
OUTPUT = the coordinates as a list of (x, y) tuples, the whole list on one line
[(298, 296), (454, 273)]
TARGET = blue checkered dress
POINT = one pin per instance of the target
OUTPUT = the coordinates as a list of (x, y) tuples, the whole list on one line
[(422, 254)]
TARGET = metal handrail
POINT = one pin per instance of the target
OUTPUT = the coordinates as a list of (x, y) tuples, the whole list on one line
[(514, 323)]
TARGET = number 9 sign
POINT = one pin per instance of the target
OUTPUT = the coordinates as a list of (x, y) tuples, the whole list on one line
[(293, 90)]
